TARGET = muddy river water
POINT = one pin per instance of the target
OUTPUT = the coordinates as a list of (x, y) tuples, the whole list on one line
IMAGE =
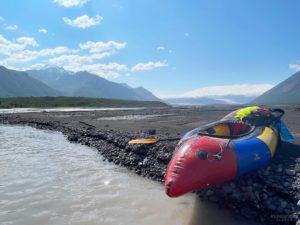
[(44, 179)]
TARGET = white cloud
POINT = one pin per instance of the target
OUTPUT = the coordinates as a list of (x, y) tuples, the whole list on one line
[(37, 66), (109, 70), (187, 34), (295, 67), (42, 30), (103, 46), (83, 21), (7, 47), (18, 55), (26, 56), (70, 3), (78, 59), (148, 66), (27, 41), (8, 66), (76, 63), (11, 27), (113, 66), (89, 62), (236, 89), (22, 57), (56, 51), (160, 48)]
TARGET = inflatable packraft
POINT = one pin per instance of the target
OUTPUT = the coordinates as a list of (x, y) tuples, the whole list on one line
[(243, 141)]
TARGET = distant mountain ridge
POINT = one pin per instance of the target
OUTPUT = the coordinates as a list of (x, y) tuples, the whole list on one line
[(194, 101), (86, 84), (14, 83), (285, 93), (210, 100)]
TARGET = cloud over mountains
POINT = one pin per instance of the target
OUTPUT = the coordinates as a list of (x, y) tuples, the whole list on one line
[(236, 89), (25, 53)]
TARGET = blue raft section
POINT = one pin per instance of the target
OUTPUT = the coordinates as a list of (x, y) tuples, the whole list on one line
[(251, 155)]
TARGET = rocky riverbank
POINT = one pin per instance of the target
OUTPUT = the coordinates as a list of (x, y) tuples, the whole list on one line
[(270, 195)]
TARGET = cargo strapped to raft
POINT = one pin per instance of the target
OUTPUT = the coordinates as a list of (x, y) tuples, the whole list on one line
[(209, 131), (263, 117)]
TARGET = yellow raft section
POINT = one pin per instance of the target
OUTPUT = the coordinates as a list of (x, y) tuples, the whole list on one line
[(222, 129), (270, 138)]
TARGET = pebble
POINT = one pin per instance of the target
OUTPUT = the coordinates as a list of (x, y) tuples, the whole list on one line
[(271, 206), (283, 204), (209, 192), (290, 172), (145, 161), (248, 213), (236, 195), (266, 173), (227, 189), (249, 189), (265, 196), (151, 132), (213, 199), (140, 149)]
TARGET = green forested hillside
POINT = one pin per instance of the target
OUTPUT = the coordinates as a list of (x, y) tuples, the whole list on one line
[(47, 102)]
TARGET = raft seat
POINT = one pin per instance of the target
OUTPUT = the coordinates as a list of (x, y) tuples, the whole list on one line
[(240, 128), (227, 129)]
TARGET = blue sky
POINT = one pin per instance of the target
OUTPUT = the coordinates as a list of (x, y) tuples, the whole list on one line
[(170, 47)]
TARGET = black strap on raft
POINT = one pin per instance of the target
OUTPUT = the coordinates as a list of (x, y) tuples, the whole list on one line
[(280, 112), (205, 155), (264, 117)]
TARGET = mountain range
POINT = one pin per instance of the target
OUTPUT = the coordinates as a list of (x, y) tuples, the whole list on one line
[(285, 93), (85, 84), (59, 82), (14, 83), (55, 81)]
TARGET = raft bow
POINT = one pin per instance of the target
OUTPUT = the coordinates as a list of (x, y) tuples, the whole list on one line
[(243, 141)]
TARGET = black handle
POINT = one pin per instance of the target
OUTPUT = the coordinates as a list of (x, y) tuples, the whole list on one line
[(280, 111)]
